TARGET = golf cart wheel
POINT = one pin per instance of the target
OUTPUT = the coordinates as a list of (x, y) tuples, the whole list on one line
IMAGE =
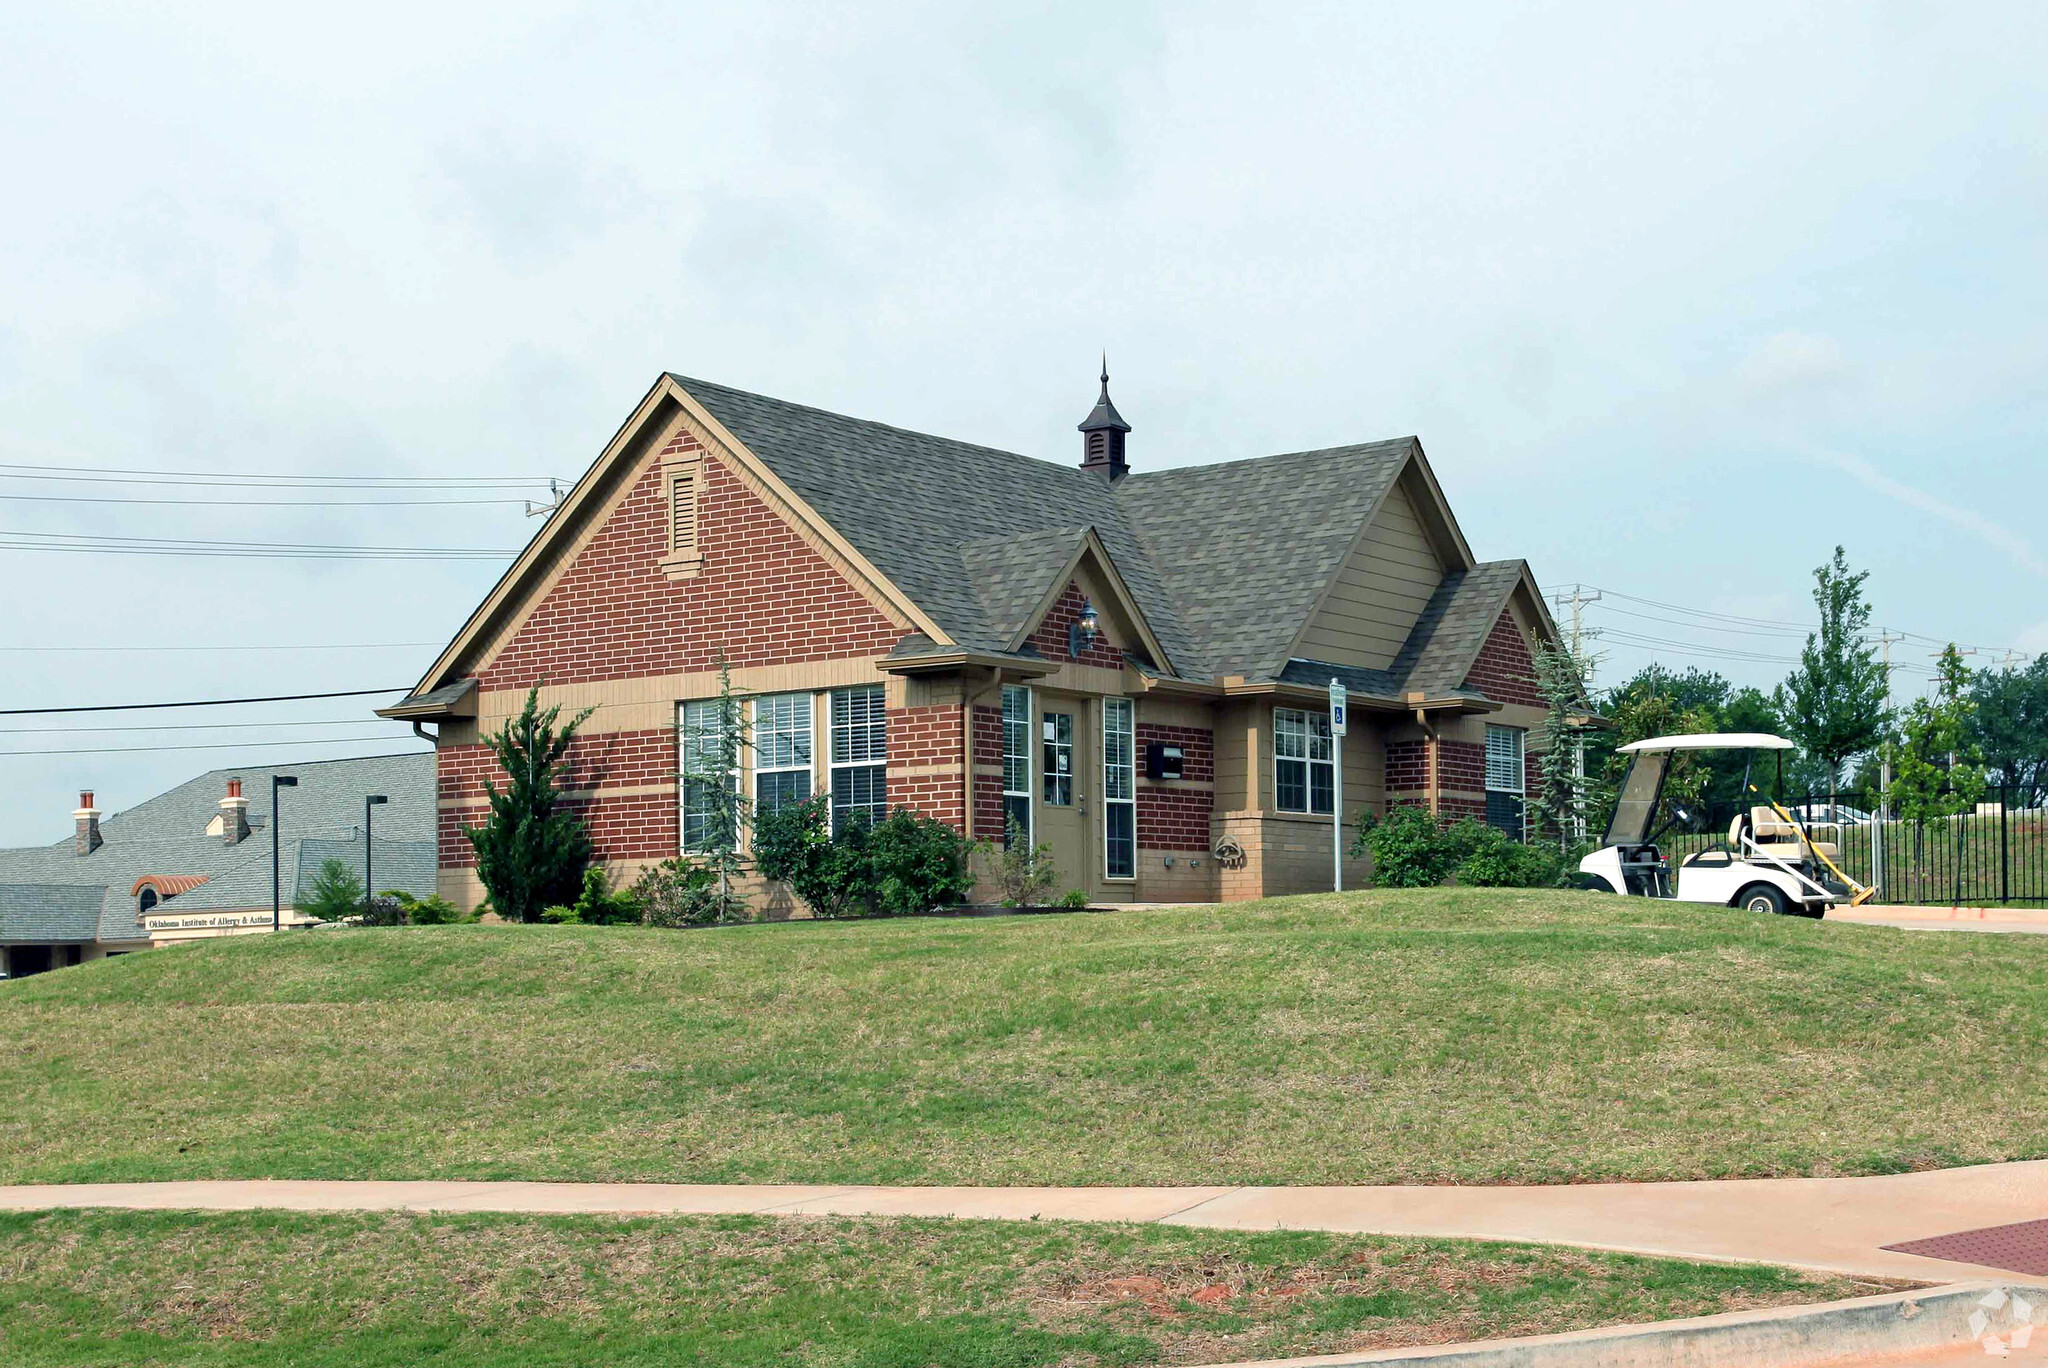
[(1762, 898)]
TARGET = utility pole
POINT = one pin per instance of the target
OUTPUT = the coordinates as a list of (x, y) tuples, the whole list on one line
[(1580, 660), (1885, 638)]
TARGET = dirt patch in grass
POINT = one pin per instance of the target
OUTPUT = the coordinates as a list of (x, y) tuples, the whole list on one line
[(121, 1288)]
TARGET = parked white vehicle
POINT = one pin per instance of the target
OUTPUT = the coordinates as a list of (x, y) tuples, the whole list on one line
[(1824, 814), (1769, 863)]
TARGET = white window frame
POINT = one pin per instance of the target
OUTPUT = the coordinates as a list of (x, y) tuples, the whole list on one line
[(780, 718), (1016, 727), (1115, 739), (686, 732), (1302, 737), (858, 745), (1518, 737)]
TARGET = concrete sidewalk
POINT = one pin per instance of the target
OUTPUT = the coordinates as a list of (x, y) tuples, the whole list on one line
[(2010, 920), (1835, 1224)]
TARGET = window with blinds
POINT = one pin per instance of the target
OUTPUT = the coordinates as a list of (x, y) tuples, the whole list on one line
[(1504, 779), (1016, 764), (859, 756)]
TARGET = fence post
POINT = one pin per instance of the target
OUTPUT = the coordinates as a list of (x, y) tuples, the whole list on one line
[(2004, 849)]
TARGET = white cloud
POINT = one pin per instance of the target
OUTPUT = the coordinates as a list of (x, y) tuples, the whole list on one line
[(2002, 539), (1789, 362)]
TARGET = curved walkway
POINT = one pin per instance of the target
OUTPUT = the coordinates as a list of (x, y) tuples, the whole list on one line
[(1837, 1224)]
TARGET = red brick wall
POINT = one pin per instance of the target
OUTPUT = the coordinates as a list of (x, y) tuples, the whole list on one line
[(1407, 768), (622, 826), (1503, 670), (920, 738), (988, 788), (763, 595), (1462, 765), (1050, 638), (1172, 818)]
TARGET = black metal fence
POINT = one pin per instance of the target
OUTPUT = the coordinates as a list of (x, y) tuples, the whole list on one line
[(1996, 854)]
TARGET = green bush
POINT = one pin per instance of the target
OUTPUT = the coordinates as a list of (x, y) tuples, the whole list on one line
[(396, 907), (431, 910), (559, 915), (795, 844), (1074, 900), (599, 905), (917, 863), (679, 892), (1024, 874), (1409, 847), (903, 865), (1492, 859)]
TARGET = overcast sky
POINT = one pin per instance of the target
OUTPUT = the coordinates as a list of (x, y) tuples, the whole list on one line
[(1675, 303)]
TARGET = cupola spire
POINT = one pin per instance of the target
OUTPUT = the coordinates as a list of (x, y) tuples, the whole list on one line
[(1102, 434)]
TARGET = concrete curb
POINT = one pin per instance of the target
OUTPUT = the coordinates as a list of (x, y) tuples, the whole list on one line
[(1865, 1329)]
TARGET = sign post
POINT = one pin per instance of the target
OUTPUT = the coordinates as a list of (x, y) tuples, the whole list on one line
[(1338, 702)]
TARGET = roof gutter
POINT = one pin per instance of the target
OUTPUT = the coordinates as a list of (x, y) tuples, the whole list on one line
[(1023, 667)]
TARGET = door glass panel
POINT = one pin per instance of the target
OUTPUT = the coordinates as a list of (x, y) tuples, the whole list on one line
[(1059, 759)]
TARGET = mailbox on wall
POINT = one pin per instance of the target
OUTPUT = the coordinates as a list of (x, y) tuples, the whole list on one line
[(1163, 761)]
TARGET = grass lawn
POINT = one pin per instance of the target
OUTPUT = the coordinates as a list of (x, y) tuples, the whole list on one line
[(113, 1288), (1448, 1035)]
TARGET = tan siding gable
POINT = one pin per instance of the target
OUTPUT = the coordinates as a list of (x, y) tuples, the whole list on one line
[(1379, 592)]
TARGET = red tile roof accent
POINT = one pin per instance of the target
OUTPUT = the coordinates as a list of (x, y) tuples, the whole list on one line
[(168, 885)]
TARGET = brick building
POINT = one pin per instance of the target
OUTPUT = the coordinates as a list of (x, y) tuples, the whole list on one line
[(1132, 665)]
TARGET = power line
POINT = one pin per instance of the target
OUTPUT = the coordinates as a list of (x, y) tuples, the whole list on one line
[(261, 503), (1763, 626), (215, 746), (116, 475), (335, 646), (198, 703), (178, 546), (198, 726)]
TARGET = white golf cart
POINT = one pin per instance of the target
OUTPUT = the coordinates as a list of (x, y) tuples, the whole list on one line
[(1769, 863)]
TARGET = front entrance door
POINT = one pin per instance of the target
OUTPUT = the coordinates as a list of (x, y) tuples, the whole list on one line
[(1066, 798)]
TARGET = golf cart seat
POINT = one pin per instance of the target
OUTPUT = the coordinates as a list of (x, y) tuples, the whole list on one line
[(1778, 836)]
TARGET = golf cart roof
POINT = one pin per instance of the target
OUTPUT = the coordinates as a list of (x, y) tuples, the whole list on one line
[(1711, 741)]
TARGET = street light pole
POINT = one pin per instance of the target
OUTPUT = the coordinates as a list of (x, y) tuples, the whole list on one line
[(369, 800), (277, 781)]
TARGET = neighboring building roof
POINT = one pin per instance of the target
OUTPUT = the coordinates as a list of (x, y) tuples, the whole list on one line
[(404, 865), (49, 912), (164, 839)]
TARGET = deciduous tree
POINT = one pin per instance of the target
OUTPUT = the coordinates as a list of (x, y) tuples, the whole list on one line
[(1834, 702)]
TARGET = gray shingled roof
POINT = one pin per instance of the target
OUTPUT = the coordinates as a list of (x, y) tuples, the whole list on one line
[(1454, 625), (1442, 645), (50, 912), (406, 865), (167, 835), (1224, 561), (915, 505), (1246, 547)]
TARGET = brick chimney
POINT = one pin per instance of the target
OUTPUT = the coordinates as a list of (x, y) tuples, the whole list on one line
[(88, 819), (1102, 435), (234, 814)]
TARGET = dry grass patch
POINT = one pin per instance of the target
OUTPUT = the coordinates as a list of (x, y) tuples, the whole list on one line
[(365, 1290)]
